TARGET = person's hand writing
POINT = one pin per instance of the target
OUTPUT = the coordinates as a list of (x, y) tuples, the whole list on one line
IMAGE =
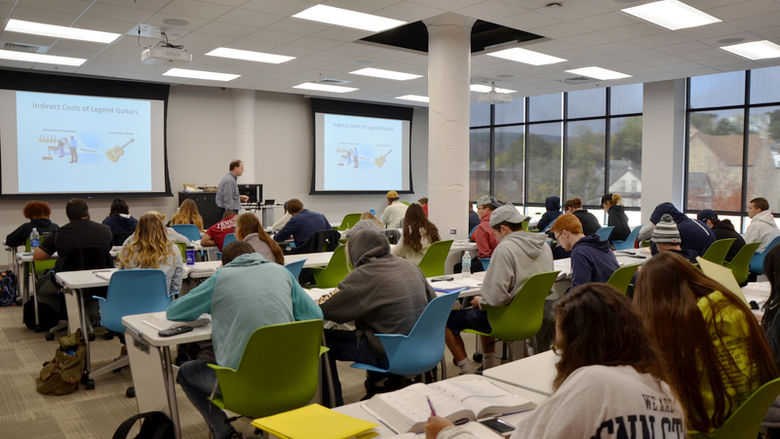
[(434, 425), (475, 301)]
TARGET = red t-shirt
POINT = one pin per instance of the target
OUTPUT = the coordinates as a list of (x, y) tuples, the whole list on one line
[(221, 229)]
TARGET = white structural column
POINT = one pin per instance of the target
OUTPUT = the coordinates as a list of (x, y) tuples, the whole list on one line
[(449, 75), (244, 129), (663, 140)]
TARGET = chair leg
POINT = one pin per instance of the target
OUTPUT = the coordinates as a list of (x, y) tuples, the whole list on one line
[(443, 368)]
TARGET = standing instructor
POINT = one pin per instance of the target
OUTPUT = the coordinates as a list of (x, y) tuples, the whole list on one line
[(228, 197)]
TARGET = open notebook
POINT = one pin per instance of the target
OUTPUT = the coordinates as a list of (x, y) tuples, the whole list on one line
[(468, 397), (722, 275)]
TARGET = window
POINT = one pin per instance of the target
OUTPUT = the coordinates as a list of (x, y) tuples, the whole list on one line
[(479, 163), (544, 161), (585, 160), (509, 163)]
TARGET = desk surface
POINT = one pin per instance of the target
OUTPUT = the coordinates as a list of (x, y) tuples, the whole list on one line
[(148, 325), (535, 373)]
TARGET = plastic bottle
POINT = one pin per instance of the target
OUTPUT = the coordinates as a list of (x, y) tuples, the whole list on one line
[(35, 239), (373, 212), (465, 263), (189, 255)]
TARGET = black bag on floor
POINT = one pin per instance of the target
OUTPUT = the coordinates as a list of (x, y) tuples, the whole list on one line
[(51, 304), (154, 425), (7, 288)]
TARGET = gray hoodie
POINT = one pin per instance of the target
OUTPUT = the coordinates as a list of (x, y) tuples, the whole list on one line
[(516, 258), (762, 228), (385, 294)]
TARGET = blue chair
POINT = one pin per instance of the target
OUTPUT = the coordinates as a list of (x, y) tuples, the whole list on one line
[(191, 231), (757, 261), (295, 267), (471, 232), (135, 291), (230, 237), (485, 262), (418, 352), (630, 240), (604, 232)]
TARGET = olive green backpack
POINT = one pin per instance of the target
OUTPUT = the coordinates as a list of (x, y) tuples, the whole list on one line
[(62, 374)]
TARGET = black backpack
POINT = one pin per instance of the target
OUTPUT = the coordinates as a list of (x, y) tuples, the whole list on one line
[(7, 288), (154, 425), (51, 304)]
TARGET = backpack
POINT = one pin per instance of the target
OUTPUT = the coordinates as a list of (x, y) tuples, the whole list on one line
[(51, 304), (62, 374), (154, 425), (7, 288)]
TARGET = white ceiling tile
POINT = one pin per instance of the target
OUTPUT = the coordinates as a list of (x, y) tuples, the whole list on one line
[(204, 38), (447, 5), (27, 39), (619, 47), (149, 5), (590, 39), (759, 21), (684, 48), (193, 22), (491, 10), (609, 20), (528, 21), (409, 12), (316, 43), (771, 33), (298, 26), (67, 6), (226, 29), (370, 7), (286, 8), (272, 36), (248, 17), (106, 25), (113, 12), (710, 31), (636, 30), (342, 34), (746, 9), (44, 16), (573, 10), (194, 8), (561, 30), (232, 3)]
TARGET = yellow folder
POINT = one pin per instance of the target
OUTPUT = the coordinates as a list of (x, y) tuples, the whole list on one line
[(315, 422)]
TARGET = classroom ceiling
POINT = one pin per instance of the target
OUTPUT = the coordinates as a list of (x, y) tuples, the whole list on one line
[(585, 32)]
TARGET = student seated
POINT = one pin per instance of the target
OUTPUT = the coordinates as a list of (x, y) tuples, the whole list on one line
[(716, 351), (172, 234), (249, 230), (695, 236), (119, 220), (423, 202), (666, 238), (38, 213), (394, 212), (763, 227), (592, 259), (616, 217), (590, 224), (553, 211), (302, 225), (770, 322), (608, 371), (483, 235), (418, 235), (187, 214), (722, 230), (215, 235), (151, 248), (279, 224)]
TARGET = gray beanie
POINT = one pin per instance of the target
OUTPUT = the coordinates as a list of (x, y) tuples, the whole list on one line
[(666, 231)]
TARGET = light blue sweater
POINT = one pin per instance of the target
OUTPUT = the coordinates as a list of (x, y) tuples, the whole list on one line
[(248, 293)]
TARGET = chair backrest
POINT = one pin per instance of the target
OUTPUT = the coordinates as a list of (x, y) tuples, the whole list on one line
[(522, 318), (278, 370), (485, 263), (295, 267), (191, 231), (230, 237), (740, 263), (717, 251), (336, 270), (134, 291), (630, 241), (418, 352), (745, 421), (349, 220), (43, 265), (621, 277), (604, 232), (322, 241), (183, 249), (757, 260), (432, 262), (525, 223), (473, 229)]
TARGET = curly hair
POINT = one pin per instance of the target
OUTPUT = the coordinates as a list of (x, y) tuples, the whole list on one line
[(36, 209), (150, 246), (415, 224)]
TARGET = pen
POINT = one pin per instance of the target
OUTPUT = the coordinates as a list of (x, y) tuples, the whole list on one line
[(430, 404)]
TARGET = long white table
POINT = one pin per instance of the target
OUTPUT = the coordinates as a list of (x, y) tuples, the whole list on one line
[(535, 373)]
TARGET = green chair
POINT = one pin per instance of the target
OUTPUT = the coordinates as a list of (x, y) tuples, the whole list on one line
[(740, 263), (334, 272), (183, 249), (621, 277), (717, 251), (278, 370), (525, 223), (349, 220), (36, 269), (432, 262), (745, 421), (522, 317)]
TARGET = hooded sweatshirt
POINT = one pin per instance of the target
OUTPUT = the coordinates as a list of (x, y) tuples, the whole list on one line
[(724, 230), (617, 217), (518, 256), (19, 236), (695, 235), (592, 260), (762, 228), (590, 224), (122, 226), (553, 206), (385, 294)]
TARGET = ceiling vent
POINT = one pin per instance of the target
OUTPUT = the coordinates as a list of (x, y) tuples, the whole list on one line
[(331, 81), (23, 47), (578, 80)]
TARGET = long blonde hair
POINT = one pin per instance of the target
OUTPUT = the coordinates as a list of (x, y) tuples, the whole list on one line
[(188, 214), (150, 246)]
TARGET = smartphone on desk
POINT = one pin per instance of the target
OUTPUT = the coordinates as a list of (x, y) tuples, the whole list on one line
[(497, 425)]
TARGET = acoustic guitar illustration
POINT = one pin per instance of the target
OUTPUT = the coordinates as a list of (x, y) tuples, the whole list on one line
[(380, 161), (114, 153)]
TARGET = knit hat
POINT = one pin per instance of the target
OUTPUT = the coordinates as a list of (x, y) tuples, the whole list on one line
[(392, 195), (487, 200), (666, 231), (506, 213), (707, 214)]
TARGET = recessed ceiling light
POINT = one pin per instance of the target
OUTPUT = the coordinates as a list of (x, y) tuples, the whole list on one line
[(482, 88), (415, 98), (248, 55), (598, 73), (51, 30), (671, 14), (347, 18), (763, 49), (385, 74), (526, 56), (324, 87), (43, 59), (201, 74)]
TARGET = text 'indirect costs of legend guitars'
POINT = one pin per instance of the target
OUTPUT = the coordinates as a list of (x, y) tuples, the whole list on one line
[(114, 153)]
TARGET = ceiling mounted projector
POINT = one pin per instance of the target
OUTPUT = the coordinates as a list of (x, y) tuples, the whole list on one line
[(165, 55)]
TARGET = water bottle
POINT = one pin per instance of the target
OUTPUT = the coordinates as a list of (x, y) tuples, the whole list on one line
[(465, 263), (189, 255), (453, 231), (373, 212), (35, 239)]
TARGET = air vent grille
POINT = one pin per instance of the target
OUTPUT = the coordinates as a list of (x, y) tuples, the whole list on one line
[(22, 47), (331, 81), (578, 80)]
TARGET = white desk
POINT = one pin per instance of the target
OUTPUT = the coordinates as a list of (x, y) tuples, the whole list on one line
[(535, 373)]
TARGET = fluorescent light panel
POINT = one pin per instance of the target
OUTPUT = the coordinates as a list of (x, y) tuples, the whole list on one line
[(526, 56), (598, 73), (201, 74), (763, 49), (671, 14), (43, 59), (347, 18), (51, 30), (248, 55), (385, 74), (415, 98), (324, 87), (482, 88)]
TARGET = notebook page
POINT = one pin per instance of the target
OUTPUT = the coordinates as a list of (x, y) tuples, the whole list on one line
[(478, 394)]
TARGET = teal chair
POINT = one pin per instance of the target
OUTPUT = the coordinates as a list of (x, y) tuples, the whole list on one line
[(745, 421), (604, 232), (190, 231), (621, 278), (432, 262), (334, 272), (717, 251), (349, 220), (485, 262), (740, 263), (295, 267), (630, 241), (229, 238), (757, 261), (420, 350)]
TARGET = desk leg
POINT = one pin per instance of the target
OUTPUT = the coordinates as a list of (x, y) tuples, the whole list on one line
[(170, 385), (85, 379)]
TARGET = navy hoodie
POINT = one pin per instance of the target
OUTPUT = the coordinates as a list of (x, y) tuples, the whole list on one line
[(592, 260), (695, 235), (553, 206)]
